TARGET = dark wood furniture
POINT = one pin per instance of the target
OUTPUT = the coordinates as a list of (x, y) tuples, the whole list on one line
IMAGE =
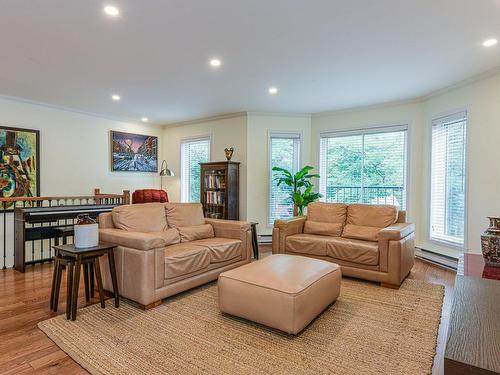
[(220, 189), (42, 223), (473, 345), (255, 243), (74, 259)]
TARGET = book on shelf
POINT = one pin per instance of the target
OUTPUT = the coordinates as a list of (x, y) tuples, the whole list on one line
[(215, 181), (214, 197)]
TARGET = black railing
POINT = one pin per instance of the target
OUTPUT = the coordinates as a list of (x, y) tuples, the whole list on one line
[(38, 251), (393, 195)]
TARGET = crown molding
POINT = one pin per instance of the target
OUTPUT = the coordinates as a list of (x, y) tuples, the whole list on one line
[(281, 114), (223, 116), (74, 110)]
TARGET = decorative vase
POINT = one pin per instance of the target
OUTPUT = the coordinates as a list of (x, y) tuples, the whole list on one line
[(86, 232), (490, 243), (229, 153)]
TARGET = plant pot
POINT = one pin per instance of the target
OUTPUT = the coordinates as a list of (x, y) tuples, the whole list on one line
[(490, 243)]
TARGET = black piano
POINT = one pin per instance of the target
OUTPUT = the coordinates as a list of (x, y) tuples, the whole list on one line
[(42, 223)]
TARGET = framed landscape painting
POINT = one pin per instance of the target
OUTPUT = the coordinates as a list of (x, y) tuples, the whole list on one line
[(19, 163), (133, 152)]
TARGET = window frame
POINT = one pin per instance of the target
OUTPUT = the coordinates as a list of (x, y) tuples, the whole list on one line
[(207, 137), (374, 129), (279, 134), (438, 241)]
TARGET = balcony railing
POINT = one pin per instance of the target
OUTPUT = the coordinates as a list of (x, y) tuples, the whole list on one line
[(393, 195)]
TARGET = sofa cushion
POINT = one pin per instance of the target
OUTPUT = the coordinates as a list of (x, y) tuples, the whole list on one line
[(196, 232), (355, 251), (327, 212), (221, 249), (184, 214), (311, 244), (364, 221), (185, 258), (147, 217), (361, 232), (371, 215), (322, 228)]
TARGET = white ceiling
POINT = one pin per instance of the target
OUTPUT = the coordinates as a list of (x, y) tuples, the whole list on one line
[(322, 54)]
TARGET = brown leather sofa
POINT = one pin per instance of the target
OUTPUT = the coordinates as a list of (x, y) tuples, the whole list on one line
[(167, 248), (368, 241)]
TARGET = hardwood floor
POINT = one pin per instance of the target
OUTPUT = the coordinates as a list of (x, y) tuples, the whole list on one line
[(24, 301)]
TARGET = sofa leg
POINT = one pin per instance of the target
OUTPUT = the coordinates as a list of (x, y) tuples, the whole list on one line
[(391, 286), (151, 305)]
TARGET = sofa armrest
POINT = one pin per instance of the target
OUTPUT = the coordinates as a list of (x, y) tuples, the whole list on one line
[(229, 228), (396, 232), (106, 220), (135, 240), (284, 228)]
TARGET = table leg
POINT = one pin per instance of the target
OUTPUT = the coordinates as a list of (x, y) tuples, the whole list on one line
[(99, 281), (53, 289), (112, 269), (69, 287), (91, 277), (255, 243), (86, 281), (76, 285), (57, 286)]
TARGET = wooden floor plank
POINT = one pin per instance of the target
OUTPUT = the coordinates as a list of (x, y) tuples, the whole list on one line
[(24, 349)]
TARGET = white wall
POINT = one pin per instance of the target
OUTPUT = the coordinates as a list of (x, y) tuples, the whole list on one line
[(74, 153), (259, 127), (224, 132)]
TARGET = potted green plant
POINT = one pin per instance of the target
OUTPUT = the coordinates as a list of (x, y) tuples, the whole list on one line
[(302, 188)]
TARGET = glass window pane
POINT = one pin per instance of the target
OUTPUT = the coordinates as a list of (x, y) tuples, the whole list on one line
[(193, 152)]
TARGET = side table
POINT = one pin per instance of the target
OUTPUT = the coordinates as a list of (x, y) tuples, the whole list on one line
[(70, 256), (255, 244)]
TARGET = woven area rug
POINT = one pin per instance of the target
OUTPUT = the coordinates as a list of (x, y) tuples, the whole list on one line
[(368, 330)]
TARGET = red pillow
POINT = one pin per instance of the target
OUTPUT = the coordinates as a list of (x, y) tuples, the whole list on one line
[(149, 196)]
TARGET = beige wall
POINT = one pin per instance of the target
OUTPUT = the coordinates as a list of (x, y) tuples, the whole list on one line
[(224, 132), (259, 127), (74, 153)]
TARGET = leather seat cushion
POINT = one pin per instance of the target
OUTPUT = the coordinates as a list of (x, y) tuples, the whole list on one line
[(196, 232), (356, 251), (361, 232), (147, 217), (327, 212), (222, 249), (311, 244), (184, 214), (185, 258)]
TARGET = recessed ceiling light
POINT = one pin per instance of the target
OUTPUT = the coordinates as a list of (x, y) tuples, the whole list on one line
[(273, 90), (144, 119), (111, 10), (215, 63), (115, 97), (490, 42)]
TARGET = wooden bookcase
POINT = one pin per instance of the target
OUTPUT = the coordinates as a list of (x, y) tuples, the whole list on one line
[(220, 191)]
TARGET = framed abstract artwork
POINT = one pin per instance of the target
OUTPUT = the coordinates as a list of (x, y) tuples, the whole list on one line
[(133, 152), (19, 162)]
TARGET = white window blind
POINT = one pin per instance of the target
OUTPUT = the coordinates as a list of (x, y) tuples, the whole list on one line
[(367, 166), (284, 152), (193, 152), (448, 179)]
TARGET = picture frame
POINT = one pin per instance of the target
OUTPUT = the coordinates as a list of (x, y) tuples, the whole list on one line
[(131, 152), (19, 162)]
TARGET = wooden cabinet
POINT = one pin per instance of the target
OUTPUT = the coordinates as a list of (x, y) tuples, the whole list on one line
[(220, 189)]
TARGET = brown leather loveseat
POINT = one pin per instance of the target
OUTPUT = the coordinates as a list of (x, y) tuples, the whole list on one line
[(166, 248), (368, 241)]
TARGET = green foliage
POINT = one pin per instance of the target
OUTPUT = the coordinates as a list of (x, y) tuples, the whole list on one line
[(301, 186)]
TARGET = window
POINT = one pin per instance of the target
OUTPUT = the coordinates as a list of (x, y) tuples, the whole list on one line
[(367, 166), (448, 183), (284, 152), (193, 152)]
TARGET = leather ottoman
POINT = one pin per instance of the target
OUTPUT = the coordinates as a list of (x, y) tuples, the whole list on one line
[(285, 292)]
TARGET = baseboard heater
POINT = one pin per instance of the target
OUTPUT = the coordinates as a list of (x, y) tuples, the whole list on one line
[(426, 255)]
